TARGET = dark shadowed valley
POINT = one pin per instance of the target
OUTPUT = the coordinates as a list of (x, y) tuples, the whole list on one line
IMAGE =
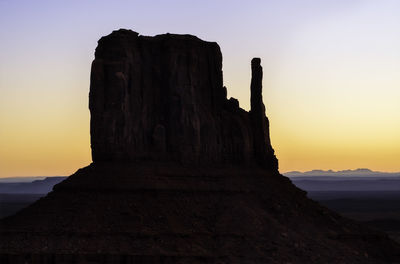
[(364, 195), (374, 200), (17, 193)]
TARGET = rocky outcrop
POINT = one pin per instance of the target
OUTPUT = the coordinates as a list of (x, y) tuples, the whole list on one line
[(259, 122), (162, 98)]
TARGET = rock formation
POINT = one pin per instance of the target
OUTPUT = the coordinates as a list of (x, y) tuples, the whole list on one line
[(162, 98), (180, 175), (259, 122)]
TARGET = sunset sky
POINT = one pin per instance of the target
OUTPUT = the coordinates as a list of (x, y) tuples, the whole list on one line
[(331, 75)]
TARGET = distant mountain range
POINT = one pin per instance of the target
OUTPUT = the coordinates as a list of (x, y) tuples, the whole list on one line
[(342, 173), (21, 179), (345, 180), (29, 185), (315, 180)]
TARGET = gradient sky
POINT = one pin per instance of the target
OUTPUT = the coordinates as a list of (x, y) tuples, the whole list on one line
[(331, 75)]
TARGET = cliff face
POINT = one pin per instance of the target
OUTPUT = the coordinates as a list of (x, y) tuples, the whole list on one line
[(162, 98)]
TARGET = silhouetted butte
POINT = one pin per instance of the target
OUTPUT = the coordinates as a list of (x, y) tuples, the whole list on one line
[(162, 98), (180, 174)]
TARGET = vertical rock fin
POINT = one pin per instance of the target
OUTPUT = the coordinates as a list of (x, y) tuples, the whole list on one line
[(263, 151)]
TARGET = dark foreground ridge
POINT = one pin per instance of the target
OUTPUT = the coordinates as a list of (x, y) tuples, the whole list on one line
[(180, 175)]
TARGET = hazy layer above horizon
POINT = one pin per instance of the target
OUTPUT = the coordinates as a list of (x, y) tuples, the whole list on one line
[(331, 82), (343, 174)]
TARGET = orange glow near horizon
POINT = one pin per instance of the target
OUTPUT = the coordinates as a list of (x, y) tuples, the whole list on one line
[(331, 76)]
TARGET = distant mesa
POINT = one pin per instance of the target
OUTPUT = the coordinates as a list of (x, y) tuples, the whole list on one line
[(342, 173), (35, 186), (21, 179)]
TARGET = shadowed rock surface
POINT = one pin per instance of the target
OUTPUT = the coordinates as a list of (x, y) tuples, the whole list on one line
[(180, 175), (162, 98)]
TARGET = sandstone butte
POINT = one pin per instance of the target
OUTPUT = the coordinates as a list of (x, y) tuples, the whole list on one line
[(180, 174)]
